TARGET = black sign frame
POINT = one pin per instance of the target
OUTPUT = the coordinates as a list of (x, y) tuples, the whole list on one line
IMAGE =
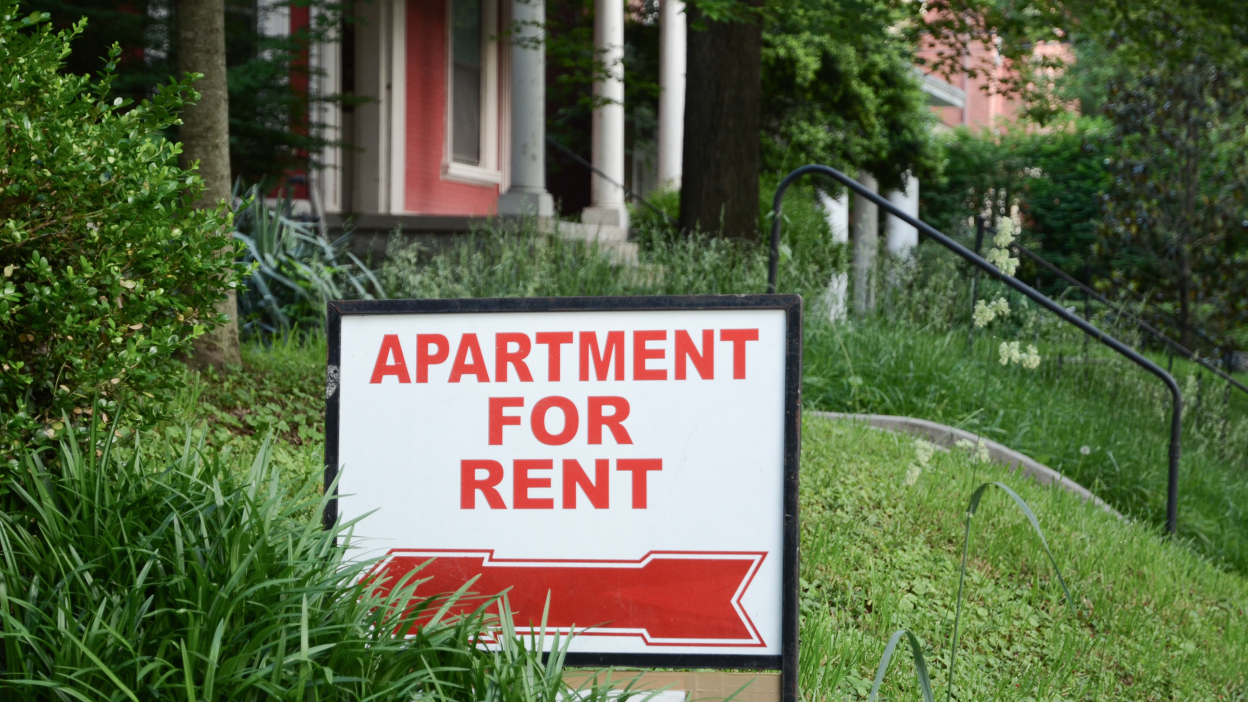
[(787, 661)]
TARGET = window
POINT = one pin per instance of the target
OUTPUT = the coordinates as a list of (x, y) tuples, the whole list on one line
[(466, 81), (471, 149)]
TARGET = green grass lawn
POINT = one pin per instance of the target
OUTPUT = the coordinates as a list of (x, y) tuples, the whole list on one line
[(1155, 620), (1119, 412)]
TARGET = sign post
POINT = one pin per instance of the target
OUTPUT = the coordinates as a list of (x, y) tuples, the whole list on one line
[(634, 458)]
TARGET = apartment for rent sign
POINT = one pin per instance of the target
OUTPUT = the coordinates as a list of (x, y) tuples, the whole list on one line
[(634, 458)]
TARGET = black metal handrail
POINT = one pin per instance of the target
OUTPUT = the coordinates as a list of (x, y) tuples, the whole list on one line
[(1176, 428), (1153, 331)]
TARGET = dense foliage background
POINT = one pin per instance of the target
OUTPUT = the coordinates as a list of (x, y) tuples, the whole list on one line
[(272, 131), (840, 88), (1052, 179)]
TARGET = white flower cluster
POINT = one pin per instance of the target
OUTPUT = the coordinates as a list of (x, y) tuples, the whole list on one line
[(1010, 353), (923, 452), (1002, 259), (985, 312), (1005, 234), (978, 450), (999, 255), (912, 475)]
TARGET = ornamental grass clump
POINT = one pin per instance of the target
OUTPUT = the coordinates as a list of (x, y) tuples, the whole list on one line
[(106, 271), (186, 576), (294, 271)]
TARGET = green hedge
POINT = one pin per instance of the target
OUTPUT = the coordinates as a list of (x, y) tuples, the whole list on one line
[(107, 272)]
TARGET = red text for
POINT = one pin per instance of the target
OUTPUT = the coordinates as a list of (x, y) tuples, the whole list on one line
[(603, 417)]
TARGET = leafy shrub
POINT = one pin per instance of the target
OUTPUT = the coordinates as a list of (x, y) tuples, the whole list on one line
[(506, 260), (107, 271), (1055, 178), (185, 576), (806, 246), (502, 261), (645, 224), (293, 272), (525, 262)]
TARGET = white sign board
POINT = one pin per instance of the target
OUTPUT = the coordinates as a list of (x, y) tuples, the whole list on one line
[(635, 458)]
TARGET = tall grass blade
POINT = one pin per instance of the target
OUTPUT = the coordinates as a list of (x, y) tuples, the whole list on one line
[(920, 665), (188, 672), (966, 544), (103, 668)]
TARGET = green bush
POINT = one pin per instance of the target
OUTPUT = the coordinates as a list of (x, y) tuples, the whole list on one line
[(107, 271), (506, 262), (522, 260), (188, 576), (807, 250), (1055, 178)]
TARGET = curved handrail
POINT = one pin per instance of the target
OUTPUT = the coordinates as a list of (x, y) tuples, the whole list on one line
[(1176, 428)]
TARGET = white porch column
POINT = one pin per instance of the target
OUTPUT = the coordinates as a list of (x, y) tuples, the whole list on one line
[(672, 37), (527, 193), (606, 204), (866, 245), (836, 212), (325, 181), (902, 237)]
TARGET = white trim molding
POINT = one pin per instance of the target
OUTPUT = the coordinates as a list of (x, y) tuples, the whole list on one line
[(503, 130), (940, 93), (326, 176), (472, 175), (380, 122)]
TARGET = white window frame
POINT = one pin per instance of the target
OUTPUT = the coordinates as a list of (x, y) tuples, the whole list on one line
[(487, 172)]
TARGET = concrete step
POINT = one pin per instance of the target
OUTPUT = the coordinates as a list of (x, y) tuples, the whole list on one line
[(609, 238)]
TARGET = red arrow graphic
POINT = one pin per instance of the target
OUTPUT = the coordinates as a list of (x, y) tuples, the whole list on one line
[(666, 597)]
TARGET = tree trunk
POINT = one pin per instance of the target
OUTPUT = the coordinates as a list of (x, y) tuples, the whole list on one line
[(1187, 335), (1191, 178), (866, 245), (719, 186), (205, 135)]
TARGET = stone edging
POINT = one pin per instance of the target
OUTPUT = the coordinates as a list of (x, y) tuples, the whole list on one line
[(945, 436)]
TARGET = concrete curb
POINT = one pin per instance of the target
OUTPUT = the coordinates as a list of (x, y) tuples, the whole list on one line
[(947, 436)]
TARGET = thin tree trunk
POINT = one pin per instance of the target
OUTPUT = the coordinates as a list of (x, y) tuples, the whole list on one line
[(205, 135), (1186, 335), (1192, 188), (866, 218), (719, 185)]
